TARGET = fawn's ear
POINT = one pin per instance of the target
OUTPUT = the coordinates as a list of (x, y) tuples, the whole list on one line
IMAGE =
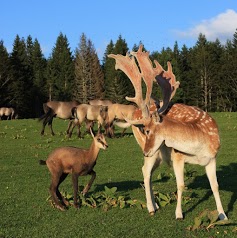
[(91, 133)]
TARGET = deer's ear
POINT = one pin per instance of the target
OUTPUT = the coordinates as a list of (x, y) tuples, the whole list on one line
[(92, 133), (156, 117)]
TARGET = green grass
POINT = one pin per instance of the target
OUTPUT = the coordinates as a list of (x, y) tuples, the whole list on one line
[(25, 211)]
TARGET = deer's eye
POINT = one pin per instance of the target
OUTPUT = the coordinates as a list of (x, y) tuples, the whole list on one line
[(147, 132)]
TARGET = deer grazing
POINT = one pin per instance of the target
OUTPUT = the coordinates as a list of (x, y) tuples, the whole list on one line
[(57, 109), (76, 161), (116, 114), (89, 114), (8, 112), (179, 134)]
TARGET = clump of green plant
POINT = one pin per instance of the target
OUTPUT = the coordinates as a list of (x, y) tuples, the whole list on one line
[(106, 200), (206, 220), (3, 134), (17, 136)]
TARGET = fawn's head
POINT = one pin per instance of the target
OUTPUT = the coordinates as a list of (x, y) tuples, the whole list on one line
[(99, 140)]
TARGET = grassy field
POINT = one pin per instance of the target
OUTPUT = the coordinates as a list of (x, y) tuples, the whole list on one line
[(26, 212)]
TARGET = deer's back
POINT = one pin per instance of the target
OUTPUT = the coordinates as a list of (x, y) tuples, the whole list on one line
[(69, 159)]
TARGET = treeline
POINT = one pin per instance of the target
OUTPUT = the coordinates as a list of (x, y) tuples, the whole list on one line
[(207, 73)]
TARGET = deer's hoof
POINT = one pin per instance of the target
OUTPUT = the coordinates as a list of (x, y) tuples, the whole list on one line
[(61, 208), (152, 213)]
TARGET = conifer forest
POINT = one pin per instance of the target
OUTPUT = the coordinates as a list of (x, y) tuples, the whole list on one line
[(207, 73)]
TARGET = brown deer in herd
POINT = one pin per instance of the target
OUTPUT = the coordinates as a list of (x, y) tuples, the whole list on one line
[(88, 114), (76, 161), (8, 113), (179, 134), (116, 113), (100, 102), (57, 109)]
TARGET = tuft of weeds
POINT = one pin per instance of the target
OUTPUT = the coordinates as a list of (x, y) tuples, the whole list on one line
[(206, 220), (106, 200)]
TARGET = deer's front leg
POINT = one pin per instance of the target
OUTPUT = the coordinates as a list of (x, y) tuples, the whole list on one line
[(75, 189), (150, 164), (88, 186), (178, 165)]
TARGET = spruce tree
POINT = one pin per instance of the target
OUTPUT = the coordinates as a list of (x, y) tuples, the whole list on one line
[(21, 79), (89, 77), (109, 70), (4, 75), (82, 71), (186, 84), (97, 76), (117, 84), (200, 69), (39, 65), (60, 71)]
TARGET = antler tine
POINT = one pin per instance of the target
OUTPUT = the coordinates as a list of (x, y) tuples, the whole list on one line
[(168, 84), (174, 84), (129, 67), (166, 79), (148, 73)]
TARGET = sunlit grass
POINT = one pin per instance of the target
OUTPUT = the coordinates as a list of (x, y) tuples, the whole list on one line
[(25, 211)]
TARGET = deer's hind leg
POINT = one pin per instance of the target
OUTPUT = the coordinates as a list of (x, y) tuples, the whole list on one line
[(53, 189), (69, 127), (59, 195), (50, 123), (211, 174)]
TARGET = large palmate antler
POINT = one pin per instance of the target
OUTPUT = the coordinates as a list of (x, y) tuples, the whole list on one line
[(166, 79)]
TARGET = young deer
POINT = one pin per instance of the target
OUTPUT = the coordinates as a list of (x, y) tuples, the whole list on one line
[(76, 161), (184, 134)]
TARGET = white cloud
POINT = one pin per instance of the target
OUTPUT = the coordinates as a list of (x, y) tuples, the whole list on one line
[(222, 26)]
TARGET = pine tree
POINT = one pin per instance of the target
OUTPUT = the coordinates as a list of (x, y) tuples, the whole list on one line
[(60, 71), (187, 89), (4, 75), (109, 70), (117, 84), (21, 85), (200, 68), (227, 91), (97, 77), (39, 65), (89, 77), (82, 71)]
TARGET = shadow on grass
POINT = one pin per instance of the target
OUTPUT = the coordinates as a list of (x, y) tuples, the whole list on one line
[(227, 177)]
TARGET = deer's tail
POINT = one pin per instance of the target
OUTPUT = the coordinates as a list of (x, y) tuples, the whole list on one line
[(42, 162)]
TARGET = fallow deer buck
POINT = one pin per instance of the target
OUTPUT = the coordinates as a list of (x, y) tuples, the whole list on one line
[(181, 134)]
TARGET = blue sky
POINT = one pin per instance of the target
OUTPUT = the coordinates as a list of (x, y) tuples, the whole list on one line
[(156, 23)]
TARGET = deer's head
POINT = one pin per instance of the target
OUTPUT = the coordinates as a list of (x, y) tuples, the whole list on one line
[(150, 117)]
